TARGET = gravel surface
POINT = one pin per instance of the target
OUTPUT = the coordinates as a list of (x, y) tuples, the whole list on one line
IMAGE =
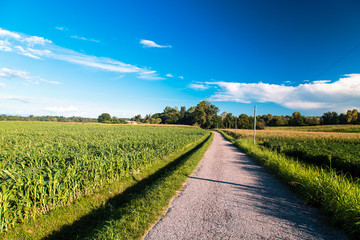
[(231, 197)]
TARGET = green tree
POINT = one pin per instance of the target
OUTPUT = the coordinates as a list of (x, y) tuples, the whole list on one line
[(352, 116), (205, 114), (244, 121), (260, 123), (229, 121), (297, 119), (104, 117), (280, 121), (136, 118), (330, 118), (170, 115), (342, 118)]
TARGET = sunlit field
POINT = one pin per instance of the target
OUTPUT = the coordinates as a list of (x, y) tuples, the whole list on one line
[(47, 165)]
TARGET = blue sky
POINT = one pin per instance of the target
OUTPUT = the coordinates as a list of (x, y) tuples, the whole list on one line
[(84, 58)]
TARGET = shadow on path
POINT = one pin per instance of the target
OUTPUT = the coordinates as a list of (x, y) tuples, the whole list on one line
[(116, 207), (267, 196), (230, 183)]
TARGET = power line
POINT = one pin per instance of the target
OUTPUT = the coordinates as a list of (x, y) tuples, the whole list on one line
[(337, 61)]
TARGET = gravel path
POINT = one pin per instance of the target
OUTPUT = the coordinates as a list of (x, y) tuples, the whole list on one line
[(232, 197)]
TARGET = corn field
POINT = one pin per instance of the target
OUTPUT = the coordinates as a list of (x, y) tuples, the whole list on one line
[(48, 165)]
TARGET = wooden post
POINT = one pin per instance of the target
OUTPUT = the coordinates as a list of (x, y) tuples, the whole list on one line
[(235, 125), (254, 123)]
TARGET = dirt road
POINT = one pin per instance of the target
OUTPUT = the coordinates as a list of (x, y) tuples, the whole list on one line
[(232, 197)]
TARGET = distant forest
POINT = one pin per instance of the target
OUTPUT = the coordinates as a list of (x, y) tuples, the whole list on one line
[(206, 116)]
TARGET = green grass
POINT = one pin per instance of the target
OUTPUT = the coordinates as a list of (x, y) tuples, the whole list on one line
[(339, 154), (349, 128), (124, 209), (336, 195)]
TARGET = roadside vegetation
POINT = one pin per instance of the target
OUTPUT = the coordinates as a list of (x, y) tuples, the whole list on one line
[(322, 168), (49, 166), (338, 151)]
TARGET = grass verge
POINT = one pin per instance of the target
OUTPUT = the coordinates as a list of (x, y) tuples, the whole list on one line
[(122, 210), (337, 196)]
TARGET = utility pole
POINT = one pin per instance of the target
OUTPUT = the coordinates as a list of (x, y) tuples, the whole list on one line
[(254, 123), (235, 125)]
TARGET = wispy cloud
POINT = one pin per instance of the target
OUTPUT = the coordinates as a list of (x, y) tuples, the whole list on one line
[(288, 82), (16, 99), (5, 46), (7, 34), (149, 75), (181, 77), (35, 40), (85, 39), (152, 44), (13, 73), (198, 86), (41, 48), (169, 75), (61, 28), (338, 95), (61, 109), (38, 81)]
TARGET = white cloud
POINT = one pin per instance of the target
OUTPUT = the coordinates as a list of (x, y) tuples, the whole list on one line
[(57, 109), (149, 43), (181, 77), (5, 46), (288, 82), (16, 99), (107, 64), (7, 34), (60, 28), (12, 73), (49, 82), (38, 52), (337, 95), (35, 40), (169, 75), (38, 81), (321, 81), (22, 51), (45, 49), (85, 39), (149, 75), (198, 86)]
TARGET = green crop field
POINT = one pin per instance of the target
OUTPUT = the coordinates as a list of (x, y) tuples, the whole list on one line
[(47, 165)]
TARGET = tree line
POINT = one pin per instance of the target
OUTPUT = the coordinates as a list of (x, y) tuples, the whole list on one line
[(206, 116), (4, 117)]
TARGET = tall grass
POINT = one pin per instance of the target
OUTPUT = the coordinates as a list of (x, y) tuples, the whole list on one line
[(47, 165), (336, 195)]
